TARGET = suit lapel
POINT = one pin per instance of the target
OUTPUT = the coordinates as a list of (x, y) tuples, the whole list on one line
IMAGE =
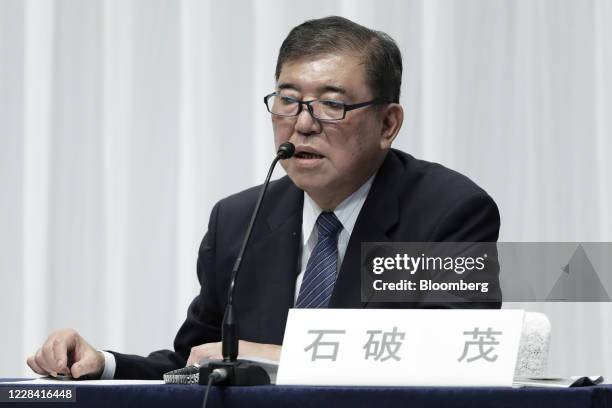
[(377, 217), (274, 255), (275, 249)]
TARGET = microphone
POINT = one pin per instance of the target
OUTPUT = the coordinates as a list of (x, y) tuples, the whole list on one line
[(242, 372), (285, 151)]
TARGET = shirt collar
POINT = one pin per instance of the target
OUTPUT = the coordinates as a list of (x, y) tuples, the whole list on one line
[(346, 211)]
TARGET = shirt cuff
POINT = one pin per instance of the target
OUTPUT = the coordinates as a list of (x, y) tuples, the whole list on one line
[(109, 366)]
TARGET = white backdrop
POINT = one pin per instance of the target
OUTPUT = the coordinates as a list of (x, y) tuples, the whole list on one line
[(122, 122)]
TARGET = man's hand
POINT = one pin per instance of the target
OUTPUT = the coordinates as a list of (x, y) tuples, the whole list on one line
[(66, 352), (246, 349)]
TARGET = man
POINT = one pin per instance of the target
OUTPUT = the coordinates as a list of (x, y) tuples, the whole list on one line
[(337, 100)]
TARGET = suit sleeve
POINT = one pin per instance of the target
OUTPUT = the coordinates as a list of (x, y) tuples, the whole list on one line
[(474, 219), (202, 324)]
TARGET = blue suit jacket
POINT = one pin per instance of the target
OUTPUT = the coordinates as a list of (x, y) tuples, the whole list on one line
[(410, 200)]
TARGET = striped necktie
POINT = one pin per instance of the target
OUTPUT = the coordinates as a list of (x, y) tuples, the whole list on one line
[(320, 276)]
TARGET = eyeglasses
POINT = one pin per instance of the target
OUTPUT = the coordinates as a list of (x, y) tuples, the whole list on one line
[(321, 109)]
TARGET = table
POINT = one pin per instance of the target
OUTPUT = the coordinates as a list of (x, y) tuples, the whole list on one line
[(337, 397)]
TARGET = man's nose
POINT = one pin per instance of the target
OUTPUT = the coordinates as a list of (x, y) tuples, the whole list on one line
[(306, 124)]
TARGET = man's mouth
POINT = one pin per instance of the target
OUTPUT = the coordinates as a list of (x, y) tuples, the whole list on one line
[(308, 155)]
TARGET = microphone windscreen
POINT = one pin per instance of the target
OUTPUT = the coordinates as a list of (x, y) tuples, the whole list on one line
[(285, 150)]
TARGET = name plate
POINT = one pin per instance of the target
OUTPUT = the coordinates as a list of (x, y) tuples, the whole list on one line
[(393, 347)]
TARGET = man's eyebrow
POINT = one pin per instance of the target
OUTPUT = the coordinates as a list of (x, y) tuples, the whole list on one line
[(323, 89), (332, 88), (287, 85)]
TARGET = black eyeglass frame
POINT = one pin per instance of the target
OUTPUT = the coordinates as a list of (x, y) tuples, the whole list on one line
[(347, 108)]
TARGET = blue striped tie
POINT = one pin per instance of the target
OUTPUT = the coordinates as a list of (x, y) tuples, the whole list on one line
[(320, 276)]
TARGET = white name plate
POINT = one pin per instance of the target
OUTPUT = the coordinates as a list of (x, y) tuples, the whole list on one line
[(400, 347)]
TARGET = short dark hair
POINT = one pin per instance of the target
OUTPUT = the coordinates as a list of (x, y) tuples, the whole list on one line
[(382, 57)]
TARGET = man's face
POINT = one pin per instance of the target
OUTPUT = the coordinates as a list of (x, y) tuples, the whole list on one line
[(332, 159)]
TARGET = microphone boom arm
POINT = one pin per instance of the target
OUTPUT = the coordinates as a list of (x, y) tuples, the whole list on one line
[(229, 328)]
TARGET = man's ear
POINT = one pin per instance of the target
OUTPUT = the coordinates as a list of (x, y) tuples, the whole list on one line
[(392, 118)]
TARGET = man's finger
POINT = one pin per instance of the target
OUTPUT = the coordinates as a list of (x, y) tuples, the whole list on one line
[(192, 359), (91, 363), (32, 364), (48, 357), (60, 355), (41, 363), (208, 350), (197, 353), (79, 369)]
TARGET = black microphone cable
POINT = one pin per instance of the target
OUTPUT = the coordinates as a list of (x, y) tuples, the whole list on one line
[(215, 377)]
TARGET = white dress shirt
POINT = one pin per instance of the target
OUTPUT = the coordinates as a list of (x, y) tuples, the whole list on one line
[(346, 212)]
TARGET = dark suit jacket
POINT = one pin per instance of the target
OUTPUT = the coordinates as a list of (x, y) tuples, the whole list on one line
[(410, 200)]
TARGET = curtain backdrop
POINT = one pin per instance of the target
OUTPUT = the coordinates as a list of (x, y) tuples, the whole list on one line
[(123, 122)]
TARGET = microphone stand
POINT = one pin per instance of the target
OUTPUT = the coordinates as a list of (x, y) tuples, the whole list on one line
[(240, 372)]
